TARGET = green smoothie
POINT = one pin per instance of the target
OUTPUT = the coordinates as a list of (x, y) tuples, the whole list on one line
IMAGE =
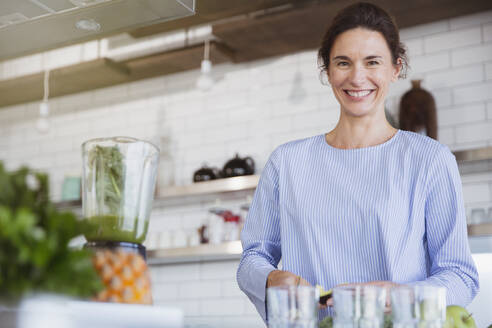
[(110, 228)]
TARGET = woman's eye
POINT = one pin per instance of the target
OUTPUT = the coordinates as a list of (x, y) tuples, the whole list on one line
[(373, 62), (342, 63)]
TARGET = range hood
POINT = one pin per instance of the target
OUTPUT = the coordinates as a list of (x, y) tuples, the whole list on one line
[(28, 26)]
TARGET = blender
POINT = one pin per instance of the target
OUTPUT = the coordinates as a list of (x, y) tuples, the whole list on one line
[(119, 177)]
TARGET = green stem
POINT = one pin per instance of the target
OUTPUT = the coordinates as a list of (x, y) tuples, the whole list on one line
[(115, 186)]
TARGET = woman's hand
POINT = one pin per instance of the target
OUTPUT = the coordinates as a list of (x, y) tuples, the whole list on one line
[(283, 278)]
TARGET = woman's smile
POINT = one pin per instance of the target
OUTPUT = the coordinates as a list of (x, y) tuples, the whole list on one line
[(358, 95)]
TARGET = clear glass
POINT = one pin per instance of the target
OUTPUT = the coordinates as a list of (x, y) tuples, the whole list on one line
[(292, 307), (358, 306), (404, 308), (118, 183), (432, 306), (346, 306)]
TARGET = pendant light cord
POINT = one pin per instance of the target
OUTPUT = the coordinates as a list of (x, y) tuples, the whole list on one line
[(206, 54), (46, 85)]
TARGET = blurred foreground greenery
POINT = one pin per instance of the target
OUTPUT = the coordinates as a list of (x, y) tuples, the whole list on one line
[(34, 237), (328, 322)]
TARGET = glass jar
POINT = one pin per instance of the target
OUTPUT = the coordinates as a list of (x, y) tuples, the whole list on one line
[(119, 176)]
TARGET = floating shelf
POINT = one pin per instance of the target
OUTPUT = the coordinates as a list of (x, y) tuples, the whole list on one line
[(474, 160), (481, 229), (246, 182), (207, 252), (233, 250), (68, 204), (105, 72), (63, 81)]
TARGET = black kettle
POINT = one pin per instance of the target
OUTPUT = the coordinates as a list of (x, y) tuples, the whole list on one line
[(238, 166), (206, 173)]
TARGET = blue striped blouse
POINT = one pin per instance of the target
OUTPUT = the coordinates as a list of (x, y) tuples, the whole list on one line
[(393, 212)]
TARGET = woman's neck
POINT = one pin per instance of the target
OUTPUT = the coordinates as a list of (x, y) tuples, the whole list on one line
[(360, 132)]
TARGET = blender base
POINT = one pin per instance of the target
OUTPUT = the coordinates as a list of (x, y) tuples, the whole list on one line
[(126, 246)]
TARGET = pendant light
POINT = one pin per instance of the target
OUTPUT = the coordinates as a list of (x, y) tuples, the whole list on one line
[(205, 80), (42, 124)]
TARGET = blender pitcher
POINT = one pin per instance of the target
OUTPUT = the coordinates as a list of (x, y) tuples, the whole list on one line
[(119, 177)]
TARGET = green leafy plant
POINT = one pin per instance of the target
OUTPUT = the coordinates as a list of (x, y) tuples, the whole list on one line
[(328, 322), (34, 238)]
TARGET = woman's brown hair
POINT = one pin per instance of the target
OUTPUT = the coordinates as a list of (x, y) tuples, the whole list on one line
[(371, 17)]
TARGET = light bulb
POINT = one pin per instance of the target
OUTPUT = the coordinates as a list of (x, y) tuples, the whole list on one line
[(206, 66), (205, 80), (44, 108), (43, 125)]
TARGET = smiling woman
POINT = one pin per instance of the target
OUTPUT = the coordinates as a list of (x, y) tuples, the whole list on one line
[(364, 203), (362, 55), (361, 71)]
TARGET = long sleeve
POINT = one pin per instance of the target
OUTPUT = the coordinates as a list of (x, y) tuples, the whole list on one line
[(451, 264), (261, 237)]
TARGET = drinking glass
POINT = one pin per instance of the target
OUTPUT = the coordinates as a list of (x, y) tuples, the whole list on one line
[(292, 307), (373, 301), (404, 308), (432, 306), (358, 306), (346, 306)]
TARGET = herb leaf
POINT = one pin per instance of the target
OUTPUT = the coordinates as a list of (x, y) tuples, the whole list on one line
[(34, 237)]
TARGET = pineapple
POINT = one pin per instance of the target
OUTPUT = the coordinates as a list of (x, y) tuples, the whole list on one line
[(125, 277)]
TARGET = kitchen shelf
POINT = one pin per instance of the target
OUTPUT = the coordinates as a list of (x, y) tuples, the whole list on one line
[(233, 250), (245, 182), (68, 204), (481, 229), (474, 160), (81, 77), (241, 183), (105, 72), (207, 252)]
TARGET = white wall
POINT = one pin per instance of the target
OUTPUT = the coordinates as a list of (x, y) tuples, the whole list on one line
[(253, 108)]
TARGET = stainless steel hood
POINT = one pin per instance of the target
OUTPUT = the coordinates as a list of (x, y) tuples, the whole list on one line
[(28, 26)]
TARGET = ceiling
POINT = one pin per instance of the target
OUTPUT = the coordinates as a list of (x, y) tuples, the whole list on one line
[(301, 28), (28, 26), (242, 30)]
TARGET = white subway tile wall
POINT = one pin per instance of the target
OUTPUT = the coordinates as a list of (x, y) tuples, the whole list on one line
[(253, 108), (488, 70), (453, 39)]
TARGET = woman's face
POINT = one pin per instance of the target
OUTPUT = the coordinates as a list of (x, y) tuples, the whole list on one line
[(360, 71)]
